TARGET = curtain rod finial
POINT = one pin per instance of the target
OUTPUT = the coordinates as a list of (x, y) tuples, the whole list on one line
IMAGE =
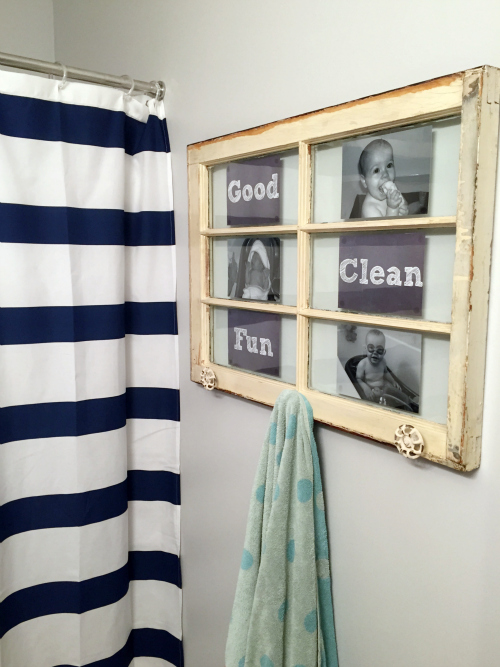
[(160, 90)]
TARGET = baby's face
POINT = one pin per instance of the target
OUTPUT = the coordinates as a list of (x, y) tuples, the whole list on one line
[(257, 263), (379, 169), (375, 348)]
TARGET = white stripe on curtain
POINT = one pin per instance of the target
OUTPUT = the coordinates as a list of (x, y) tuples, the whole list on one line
[(37, 275), (89, 180), (89, 389)]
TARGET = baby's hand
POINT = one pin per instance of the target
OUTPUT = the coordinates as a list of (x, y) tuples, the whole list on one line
[(403, 207), (394, 199), (370, 395)]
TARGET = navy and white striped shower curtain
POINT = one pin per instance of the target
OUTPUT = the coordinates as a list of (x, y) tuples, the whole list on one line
[(89, 401)]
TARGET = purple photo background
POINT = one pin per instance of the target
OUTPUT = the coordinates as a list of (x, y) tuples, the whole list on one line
[(254, 354), (386, 251)]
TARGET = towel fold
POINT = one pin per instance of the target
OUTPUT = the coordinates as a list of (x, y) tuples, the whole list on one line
[(283, 610)]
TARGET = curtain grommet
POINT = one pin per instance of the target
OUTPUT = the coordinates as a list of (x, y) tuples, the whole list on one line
[(208, 378), (409, 441)]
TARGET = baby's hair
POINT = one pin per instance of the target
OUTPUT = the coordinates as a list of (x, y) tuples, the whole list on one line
[(375, 332), (372, 146)]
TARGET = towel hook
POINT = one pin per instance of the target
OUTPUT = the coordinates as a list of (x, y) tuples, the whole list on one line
[(208, 378), (63, 81), (409, 441)]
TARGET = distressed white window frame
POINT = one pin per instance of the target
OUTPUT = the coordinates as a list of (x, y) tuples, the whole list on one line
[(474, 95)]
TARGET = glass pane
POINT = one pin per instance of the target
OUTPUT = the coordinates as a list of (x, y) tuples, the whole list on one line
[(260, 268), (262, 343), (368, 273), (404, 172), (405, 371), (256, 191)]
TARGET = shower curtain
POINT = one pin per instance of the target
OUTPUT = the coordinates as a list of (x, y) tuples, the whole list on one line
[(89, 400)]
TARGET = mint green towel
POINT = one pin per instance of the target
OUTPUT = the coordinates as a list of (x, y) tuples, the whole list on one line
[(283, 612)]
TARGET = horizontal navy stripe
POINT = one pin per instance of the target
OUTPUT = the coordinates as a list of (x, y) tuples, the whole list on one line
[(144, 642), (149, 228), (154, 485), (20, 223), (152, 403), (151, 318), (55, 420), (97, 415), (62, 597), (62, 510), (71, 324), (79, 509), (30, 118), (61, 324), (158, 565), (158, 644)]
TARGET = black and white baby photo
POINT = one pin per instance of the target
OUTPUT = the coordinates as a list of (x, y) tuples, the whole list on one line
[(381, 366), (254, 268), (387, 175)]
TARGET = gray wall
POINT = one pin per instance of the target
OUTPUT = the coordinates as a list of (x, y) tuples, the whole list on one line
[(27, 28), (415, 547)]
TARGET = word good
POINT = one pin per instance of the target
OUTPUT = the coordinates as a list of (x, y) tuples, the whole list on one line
[(259, 191), (377, 274), (265, 343)]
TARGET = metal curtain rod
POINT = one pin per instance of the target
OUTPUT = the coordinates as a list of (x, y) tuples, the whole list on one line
[(152, 88)]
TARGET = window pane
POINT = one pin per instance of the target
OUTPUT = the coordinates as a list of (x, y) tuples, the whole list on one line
[(261, 343), (256, 191), (361, 272), (255, 268), (406, 371), (353, 177)]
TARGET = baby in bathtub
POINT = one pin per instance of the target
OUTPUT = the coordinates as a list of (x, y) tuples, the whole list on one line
[(372, 372), (257, 273), (377, 173)]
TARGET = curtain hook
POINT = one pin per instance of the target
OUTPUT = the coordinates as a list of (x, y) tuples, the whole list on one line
[(130, 80), (63, 81)]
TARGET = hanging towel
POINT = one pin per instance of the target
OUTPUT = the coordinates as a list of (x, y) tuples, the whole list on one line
[(283, 611)]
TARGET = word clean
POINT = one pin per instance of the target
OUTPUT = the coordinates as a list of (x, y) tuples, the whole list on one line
[(259, 191), (377, 274), (265, 343)]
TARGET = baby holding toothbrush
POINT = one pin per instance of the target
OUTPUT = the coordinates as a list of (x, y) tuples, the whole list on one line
[(377, 173)]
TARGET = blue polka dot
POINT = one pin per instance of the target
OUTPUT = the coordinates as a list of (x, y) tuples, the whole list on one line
[(266, 662), (278, 458), (282, 611), (310, 621), (260, 493), (290, 551), (291, 427), (304, 490), (246, 560), (272, 433), (276, 492), (242, 662)]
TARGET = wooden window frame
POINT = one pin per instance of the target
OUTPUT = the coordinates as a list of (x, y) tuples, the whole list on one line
[(472, 94)]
